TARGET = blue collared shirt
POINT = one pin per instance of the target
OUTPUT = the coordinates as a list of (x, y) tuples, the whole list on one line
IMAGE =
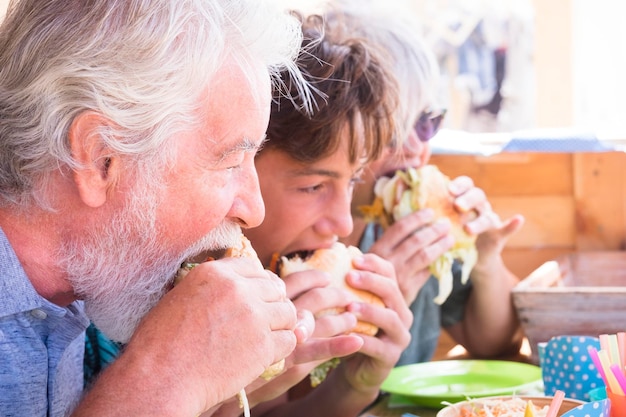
[(41, 346)]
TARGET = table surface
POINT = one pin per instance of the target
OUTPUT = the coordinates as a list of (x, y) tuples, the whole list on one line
[(382, 409), (446, 351)]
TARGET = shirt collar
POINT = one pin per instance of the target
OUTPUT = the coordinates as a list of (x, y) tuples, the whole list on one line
[(17, 293)]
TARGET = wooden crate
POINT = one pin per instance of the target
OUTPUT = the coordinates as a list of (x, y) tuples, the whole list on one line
[(572, 202), (582, 293)]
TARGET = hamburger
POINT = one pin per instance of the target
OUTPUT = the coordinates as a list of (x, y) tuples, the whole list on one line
[(337, 262), (243, 250), (427, 187)]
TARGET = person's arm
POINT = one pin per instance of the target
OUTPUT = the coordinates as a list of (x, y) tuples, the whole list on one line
[(207, 338), (269, 395), (334, 397), (490, 326)]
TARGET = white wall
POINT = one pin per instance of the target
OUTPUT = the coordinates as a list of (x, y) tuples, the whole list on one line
[(599, 65), (3, 6)]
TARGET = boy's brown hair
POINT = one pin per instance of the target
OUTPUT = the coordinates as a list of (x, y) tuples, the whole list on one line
[(353, 90)]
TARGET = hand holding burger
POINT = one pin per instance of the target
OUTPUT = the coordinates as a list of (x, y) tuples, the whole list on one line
[(426, 187), (243, 250), (337, 262)]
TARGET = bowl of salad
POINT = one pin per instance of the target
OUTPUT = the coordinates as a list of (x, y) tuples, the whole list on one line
[(506, 406)]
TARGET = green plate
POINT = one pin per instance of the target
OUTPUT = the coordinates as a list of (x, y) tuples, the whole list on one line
[(428, 384)]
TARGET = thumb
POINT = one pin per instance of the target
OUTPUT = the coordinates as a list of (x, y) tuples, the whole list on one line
[(512, 225), (305, 325)]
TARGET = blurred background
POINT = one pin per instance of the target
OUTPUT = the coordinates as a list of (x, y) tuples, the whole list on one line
[(522, 64)]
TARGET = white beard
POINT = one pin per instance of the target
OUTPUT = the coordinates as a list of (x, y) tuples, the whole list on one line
[(123, 268)]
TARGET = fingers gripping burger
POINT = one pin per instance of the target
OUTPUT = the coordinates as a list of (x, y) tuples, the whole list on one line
[(337, 262), (426, 187), (243, 250)]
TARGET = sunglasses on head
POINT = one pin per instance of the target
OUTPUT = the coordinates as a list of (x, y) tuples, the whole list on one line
[(429, 123)]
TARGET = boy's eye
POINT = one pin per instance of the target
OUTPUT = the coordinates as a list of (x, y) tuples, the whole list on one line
[(312, 188)]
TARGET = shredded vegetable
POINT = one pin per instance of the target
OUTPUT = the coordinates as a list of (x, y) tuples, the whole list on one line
[(514, 407), (403, 194), (318, 374)]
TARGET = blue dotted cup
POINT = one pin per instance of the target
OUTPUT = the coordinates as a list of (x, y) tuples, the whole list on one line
[(566, 365), (600, 408)]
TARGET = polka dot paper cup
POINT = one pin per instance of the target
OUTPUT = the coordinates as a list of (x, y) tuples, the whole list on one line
[(566, 365)]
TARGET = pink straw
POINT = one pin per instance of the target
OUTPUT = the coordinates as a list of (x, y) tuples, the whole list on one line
[(621, 346), (621, 379), (606, 365), (555, 404), (593, 352)]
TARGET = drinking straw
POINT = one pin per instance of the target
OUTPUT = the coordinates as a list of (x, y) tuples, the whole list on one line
[(606, 365), (614, 351), (619, 376), (604, 342), (621, 346), (555, 404), (593, 352)]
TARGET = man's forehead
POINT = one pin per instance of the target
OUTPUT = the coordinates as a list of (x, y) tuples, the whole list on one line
[(236, 108)]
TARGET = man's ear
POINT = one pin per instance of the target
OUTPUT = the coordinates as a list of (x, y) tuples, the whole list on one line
[(98, 171)]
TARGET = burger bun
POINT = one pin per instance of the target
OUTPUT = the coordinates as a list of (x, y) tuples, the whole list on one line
[(337, 262)]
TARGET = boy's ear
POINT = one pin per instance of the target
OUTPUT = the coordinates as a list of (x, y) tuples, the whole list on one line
[(98, 170)]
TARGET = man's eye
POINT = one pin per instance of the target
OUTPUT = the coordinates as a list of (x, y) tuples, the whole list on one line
[(233, 164)]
